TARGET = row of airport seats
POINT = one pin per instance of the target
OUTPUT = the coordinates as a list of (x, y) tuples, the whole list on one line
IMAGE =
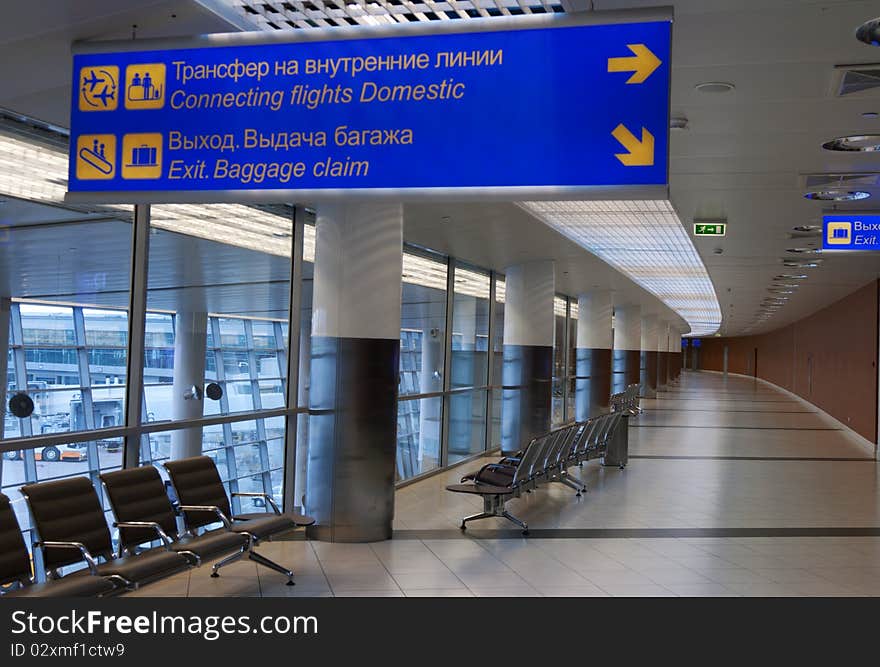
[(71, 528), (549, 458)]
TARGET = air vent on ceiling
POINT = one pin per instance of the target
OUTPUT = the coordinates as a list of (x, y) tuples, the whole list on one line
[(855, 180), (849, 79)]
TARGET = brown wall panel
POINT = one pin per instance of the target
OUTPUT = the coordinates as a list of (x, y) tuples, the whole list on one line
[(828, 358)]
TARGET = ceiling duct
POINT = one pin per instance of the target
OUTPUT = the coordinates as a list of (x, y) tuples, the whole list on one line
[(849, 79), (837, 181)]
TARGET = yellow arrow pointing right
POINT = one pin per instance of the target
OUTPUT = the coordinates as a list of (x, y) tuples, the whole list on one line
[(642, 63), (641, 152)]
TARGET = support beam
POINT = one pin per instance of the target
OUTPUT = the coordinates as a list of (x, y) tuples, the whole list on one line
[(293, 464), (649, 354), (190, 346), (627, 346), (354, 371), (593, 354), (137, 322), (5, 305), (663, 359), (528, 353)]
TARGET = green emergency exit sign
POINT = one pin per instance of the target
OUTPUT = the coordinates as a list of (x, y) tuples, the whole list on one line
[(710, 229)]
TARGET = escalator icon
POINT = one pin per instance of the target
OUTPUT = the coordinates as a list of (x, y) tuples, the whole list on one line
[(96, 156)]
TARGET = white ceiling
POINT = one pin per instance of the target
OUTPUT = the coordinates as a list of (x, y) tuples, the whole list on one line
[(742, 156), (744, 152)]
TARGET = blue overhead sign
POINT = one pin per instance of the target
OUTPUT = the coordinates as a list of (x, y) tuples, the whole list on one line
[(851, 231), (532, 110)]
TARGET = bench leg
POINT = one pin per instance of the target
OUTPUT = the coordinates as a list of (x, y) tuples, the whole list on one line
[(475, 517), (519, 522), (260, 559), (226, 561), (569, 482)]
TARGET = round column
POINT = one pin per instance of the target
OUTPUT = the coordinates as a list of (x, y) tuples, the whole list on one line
[(593, 354), (528, 353), (648, 360), (190, 346), (627, 347), (354, 371), (674, 355), (663, 363)]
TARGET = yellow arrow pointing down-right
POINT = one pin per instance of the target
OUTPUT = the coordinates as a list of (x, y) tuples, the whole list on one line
[(641, 153)]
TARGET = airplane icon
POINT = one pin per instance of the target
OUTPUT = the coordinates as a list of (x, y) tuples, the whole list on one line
[(104, 94), (98, 86), (93, 80)]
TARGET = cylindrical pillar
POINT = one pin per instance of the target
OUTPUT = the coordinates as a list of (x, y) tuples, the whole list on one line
[(627, 346), (4, 359), (528, 353), (354, 371), (663, 361), (593, 355), (674, 354), (648, 361), (190, 344)]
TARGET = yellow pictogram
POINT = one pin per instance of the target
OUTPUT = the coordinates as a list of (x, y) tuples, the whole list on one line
[(96, 157), (145, 86), (838, 233), (642, 63), (142, 155), (99, 88), (641, 152)]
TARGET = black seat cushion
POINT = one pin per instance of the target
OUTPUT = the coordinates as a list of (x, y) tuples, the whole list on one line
[(15, 564), (265, 526), (138, 494), (480, 489), (68, 587), (144, 567), (211, 544), (68, 510), (298, 519), (495, 475), (197, 482)]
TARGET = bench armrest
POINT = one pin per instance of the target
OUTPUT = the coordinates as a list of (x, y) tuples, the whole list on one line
[(208, 508), (79, 546), (163, 536), (256, 494)]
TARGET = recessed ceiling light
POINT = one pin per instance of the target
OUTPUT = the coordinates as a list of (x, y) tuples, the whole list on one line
[(869, 32), (775, 290), (870, 115), (801, 264), (715, 87), (837, 195), (804, 251), (855, 143), (786, 285), (679, 123), (791, 276), (807, 229)]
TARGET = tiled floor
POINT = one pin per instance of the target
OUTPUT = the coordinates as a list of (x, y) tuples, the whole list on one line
[(756, 492)]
